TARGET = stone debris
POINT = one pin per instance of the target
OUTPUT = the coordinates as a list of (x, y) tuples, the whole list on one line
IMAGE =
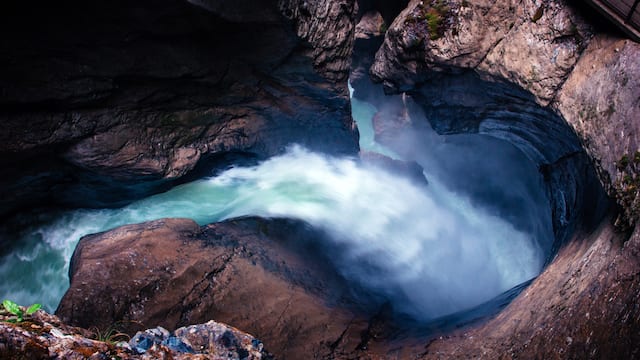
[(212, 338), (44, 336)]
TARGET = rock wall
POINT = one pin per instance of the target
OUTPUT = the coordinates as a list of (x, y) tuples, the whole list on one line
[(264, 276), (125, 99), (601, 101), (549, 78), (523, 72)]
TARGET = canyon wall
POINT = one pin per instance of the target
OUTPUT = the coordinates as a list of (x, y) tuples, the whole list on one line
[(558, 84), (106, 102), (522, 72), (102, 105)]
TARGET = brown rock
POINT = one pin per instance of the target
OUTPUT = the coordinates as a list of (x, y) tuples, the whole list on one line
[(408, 169), (539, 51), (601, 101), (582, 306), (252, 273), (497, 39)]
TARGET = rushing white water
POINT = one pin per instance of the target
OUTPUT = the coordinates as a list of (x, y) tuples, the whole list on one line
[(427, 249)]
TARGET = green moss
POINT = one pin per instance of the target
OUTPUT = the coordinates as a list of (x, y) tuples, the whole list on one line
[(573, 29), (623, 162), (533, 75)]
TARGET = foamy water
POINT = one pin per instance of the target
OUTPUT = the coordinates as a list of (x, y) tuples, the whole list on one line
[(425, 248)]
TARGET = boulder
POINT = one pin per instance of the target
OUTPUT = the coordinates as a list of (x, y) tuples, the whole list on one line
[(411, 170), (267, 277)]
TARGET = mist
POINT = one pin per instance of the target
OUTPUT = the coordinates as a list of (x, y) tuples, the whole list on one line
[(478, 229), (428, 250)]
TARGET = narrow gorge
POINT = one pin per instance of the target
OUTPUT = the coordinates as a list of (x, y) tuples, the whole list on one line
[(340, 179)]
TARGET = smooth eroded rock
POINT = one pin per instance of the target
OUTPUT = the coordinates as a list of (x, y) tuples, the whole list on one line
[(266, 277)]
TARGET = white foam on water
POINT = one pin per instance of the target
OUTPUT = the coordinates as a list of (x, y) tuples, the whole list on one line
[(425, 248), (428, 250)]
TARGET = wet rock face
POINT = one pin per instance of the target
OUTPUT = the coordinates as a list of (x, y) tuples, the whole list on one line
[(493, 68), (540, 76), (262, 276), (133, 96), (584, 305)]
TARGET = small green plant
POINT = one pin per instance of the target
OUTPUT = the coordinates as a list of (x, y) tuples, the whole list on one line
[(434, 20), (627, 185), (383, 28), (16, 310), (623, 162), (111, 335), (435, 15)]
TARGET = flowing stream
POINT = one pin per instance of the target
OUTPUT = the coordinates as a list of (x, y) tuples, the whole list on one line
[(428, 249)]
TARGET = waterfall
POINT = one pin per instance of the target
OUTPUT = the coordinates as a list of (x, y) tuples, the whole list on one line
[(428, 250)]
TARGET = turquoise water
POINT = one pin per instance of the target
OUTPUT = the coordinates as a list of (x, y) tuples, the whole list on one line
[(432, 251)]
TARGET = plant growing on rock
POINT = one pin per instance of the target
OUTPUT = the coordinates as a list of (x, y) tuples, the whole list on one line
[(111, 335), (17, 311), (432, 16), (627, 185)]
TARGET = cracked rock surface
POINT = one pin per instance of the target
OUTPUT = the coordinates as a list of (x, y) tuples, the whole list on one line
[(511, 68), (564, 89)]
